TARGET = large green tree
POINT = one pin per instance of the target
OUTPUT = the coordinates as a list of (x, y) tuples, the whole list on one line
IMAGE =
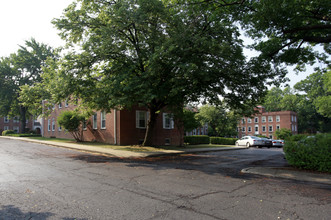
[(284, 31), (220, 121), (306, 100), (155, 54), (23, 68)]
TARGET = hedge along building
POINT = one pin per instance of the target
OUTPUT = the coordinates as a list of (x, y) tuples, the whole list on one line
[(119, 127), (266, 123)]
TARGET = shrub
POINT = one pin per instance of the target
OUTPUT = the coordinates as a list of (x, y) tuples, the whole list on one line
[(196, 139), (283, 133), (71, 120), (312, 153), (297, 137), (5, 133), (222, 140)]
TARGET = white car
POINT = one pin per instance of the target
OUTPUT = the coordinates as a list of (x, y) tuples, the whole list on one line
[(250, 141)]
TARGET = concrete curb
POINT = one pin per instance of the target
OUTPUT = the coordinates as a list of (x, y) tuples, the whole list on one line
[(121, 153), (282, 172)]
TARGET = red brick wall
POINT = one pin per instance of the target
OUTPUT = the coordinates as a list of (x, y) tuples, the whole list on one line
[(126, 132), (285, 122), (11, 124)]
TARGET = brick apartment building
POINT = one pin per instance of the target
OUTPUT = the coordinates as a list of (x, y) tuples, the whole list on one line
[(266, 123), (14, 124), (120, 127)]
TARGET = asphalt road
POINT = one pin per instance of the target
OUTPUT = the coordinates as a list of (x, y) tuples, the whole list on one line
[(43, 182)]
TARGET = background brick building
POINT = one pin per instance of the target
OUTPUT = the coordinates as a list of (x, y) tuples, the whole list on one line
[(266, 123), (14, 124), (121, 127)]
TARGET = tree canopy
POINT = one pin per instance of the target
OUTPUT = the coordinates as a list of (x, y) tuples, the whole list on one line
[(155, 54), (310, 98), (284, 31), (23, 68)]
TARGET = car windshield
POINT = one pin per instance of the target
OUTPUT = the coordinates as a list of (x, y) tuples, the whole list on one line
[(256, 138)]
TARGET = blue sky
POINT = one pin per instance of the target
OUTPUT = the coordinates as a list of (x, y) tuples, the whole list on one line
[(22, 19)]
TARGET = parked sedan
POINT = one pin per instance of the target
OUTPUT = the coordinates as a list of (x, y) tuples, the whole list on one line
[(278, 143), (249, 141), (266, 142)]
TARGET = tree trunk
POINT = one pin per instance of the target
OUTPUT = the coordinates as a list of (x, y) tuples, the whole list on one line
[(148, 141), (23, 111)]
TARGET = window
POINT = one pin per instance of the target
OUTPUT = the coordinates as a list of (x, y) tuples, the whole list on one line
[(249, 129), (16, 129), (141, 119), (95, 121), (243, 129), (5, 128), (243, 121), (256, 128), (6, 119), (270, 136), (277, 118), (278, 127), (84, 125), (295, 128), (60, 128), (292, 127), (292, 118), (263, 119), (264, 129), (60, 105), (103, 119), (168, 122), (270, 128), (49, 124), (256, 120), (66, 104), (16, 119), (249, 120), (270, 119), (295, 118), (53, 124)]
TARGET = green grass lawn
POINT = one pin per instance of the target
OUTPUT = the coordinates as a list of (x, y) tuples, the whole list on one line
[(134, 148)]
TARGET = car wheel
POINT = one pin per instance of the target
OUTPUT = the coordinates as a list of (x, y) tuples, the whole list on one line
[(248, 145)]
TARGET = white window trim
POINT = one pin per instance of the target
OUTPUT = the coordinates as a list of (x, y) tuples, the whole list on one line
[(6, 119), (256, 120), (263, 119), (102, 118), (249, 129), (49, 124), (84, 125), (243, 129), (60, 105), (171, 125), (249, 120), (66, 104), (277, 127), (53, 124), (265, 129), (5, 128), (138, 119), (272, 129), (270, 118), (277, 118), (95, 121)]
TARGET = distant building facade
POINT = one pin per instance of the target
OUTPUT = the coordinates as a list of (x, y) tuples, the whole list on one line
[(119, 127), (14, 124), (266, 123)]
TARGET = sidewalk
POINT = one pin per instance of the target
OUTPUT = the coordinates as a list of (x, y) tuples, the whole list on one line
[(279, 172), (121, 153)]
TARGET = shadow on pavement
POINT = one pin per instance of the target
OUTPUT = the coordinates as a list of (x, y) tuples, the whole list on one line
[(226, 165), (11, 212)]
